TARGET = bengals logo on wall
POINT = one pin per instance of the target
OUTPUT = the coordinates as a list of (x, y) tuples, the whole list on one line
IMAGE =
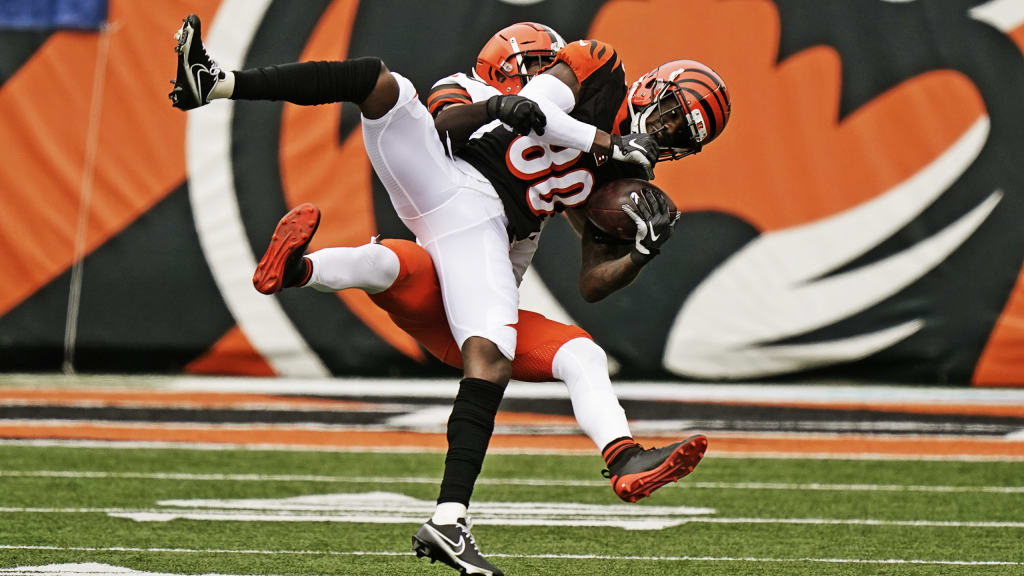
[(859, 218)]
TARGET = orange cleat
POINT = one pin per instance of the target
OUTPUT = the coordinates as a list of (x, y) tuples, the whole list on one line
[(282, 264), (646, 471)]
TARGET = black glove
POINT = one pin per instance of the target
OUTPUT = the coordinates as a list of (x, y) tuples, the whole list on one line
[(640, 149), (654, 223), (520, 114)]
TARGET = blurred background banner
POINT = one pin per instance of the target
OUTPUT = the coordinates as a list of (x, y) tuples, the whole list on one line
[(49, 14), (860, 218)]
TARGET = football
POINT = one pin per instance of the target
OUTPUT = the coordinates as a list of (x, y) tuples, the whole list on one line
[(604, 207)]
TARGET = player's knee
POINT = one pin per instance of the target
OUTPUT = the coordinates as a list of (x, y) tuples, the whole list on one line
[(577, 355), (383, 97), (483, 359)]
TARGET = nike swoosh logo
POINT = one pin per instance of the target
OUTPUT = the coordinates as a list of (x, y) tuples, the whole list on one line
[(583, 43), (199, 79), (457, 547), (635, 198), (654, 236), (637, 146)]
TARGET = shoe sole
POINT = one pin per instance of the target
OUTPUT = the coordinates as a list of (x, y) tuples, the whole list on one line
[(293, 232), (678, 465), (425, 549), (183, 47)]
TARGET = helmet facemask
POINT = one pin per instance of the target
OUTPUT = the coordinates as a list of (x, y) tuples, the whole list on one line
[(683, 104), (518, 63), (676, 139)]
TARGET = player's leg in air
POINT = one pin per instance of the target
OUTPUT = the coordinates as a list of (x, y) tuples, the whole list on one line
[(467, 235), (399, 277)]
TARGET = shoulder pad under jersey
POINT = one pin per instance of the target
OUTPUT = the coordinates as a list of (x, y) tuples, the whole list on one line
[(457, 89), (587, 56)]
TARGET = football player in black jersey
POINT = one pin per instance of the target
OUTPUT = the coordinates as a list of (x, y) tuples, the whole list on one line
[(465, 210)]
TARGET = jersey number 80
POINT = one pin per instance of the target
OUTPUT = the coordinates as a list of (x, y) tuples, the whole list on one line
[(543, 167)]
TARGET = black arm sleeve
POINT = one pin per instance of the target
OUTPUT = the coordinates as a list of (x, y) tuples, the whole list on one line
[(309, 83)]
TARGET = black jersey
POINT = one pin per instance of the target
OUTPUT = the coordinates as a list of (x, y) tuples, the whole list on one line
[(535, 179)]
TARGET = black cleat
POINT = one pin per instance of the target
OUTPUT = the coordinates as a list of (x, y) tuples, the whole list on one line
[(646, 471), (197, 72), (454, 545)]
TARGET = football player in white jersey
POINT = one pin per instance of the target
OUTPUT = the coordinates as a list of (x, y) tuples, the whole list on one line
[(464, 215)]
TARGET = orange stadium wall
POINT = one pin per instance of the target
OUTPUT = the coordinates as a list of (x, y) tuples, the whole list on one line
[(860, 218)]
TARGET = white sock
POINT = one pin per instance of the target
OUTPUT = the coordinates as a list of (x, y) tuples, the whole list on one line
[(448, 512), (370, 267), (583, 366), (224, 87)]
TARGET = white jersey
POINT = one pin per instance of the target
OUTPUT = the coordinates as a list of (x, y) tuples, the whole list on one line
[(458, 89)]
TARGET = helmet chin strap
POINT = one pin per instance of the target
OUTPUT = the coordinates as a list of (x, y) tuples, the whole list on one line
[(636, 123)]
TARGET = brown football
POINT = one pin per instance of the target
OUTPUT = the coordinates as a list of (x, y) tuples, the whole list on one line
[(604, 207)]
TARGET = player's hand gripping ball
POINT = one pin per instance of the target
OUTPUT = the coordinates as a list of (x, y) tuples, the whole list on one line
[(604, 208)]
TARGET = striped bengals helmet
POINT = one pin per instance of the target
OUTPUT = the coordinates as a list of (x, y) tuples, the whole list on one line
[(504, 59), (683, 88)]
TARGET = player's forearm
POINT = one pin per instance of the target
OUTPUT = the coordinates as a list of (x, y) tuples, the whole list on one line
[(606, 266), (597, 282), (555, 100), (455, 124)]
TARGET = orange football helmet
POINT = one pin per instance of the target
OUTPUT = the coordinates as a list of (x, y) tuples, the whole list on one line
[(505, 58), (683, 104)]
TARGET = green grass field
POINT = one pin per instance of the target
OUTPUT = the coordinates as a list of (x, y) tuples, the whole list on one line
[(769, 516)]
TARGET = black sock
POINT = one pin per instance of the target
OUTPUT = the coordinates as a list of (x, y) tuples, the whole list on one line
[(619, 450), (309, 83), (469, 431), (297, 273)]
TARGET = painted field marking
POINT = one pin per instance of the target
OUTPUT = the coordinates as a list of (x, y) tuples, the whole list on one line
[(154, 515), (524, 556), (319, 478), (91, 569), (394, 508), (829, 392), (513, 451)]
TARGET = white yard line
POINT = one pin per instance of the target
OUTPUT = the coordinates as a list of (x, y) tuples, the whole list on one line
[(370, 480), (687, 520), (525, 556)]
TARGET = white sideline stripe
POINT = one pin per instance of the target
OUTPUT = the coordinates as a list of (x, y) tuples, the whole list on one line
[(93, 569), (687, 520), (525, 556), (447, 388), (814, 486), (432, 420), (228, 446), (215, 206), (746, 392), (261, 406)]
